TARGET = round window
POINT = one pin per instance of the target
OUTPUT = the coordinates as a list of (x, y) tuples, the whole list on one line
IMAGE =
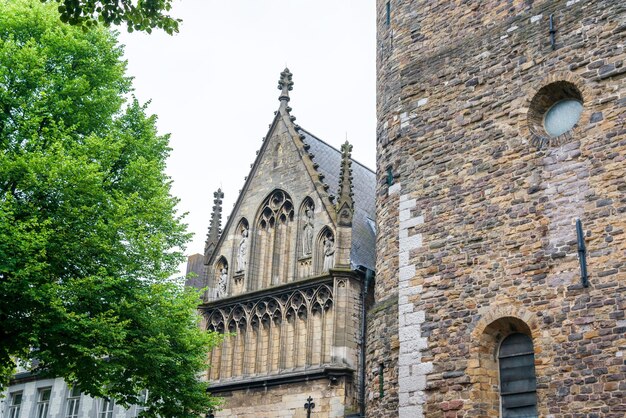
[(562, 116), (554, 112)]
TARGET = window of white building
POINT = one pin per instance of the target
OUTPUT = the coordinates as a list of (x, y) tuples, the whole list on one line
[(15, 404), (143, 399), (106, 408), (43, 402), (73, 403)]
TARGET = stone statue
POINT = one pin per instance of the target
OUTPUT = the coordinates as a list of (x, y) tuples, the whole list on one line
[(329, 253), (241, 254), (307, 235), (222, 282)]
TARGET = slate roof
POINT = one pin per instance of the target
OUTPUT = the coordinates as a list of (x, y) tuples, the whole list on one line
[(363, 251)]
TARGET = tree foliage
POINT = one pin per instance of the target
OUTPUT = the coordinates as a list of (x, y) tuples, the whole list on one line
[(88, 228), (141, 15)]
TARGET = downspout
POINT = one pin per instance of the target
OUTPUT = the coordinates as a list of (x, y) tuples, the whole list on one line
[(368, 276)]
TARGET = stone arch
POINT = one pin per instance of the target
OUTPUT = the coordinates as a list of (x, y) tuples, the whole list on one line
[(215, 322), (483, 369), (323, 295), (290, 349), (296, 300), (325, 246)]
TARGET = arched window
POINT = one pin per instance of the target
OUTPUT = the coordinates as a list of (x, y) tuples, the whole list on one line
[(518, 384), (271, 242)]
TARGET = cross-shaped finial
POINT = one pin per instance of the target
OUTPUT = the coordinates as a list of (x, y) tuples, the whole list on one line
[(308, 406), (285, 84)]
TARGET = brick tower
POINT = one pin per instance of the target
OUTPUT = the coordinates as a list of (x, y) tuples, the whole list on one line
[(501, 210)]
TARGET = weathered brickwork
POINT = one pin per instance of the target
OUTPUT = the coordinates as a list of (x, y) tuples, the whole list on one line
[(462, 90)]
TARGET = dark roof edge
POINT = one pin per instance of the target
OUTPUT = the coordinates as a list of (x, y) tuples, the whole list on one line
[(330, 146)]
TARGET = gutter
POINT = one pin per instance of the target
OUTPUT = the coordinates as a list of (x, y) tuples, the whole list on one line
[(369, 275)]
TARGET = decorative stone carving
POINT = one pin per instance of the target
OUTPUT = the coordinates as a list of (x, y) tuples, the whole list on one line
[(307, 232), (285, 314), (243, 249), (329, 252), (222, 282)]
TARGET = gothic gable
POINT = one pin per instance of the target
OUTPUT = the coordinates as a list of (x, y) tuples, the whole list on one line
[(272, 235)]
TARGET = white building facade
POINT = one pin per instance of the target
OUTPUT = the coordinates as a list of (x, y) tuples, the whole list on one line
[(30, 397)]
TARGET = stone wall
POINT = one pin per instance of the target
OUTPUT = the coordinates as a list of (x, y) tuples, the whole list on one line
[(331, 400), (459, 91)]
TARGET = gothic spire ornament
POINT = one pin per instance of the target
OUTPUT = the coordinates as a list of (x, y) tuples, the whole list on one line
[(215, 227), (345, 201), (285, 85)]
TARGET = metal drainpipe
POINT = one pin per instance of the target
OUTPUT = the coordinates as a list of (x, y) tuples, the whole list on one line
[(368, 275)]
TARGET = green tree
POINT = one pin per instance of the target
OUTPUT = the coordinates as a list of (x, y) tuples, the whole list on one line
[(141, 15), (88, 229)]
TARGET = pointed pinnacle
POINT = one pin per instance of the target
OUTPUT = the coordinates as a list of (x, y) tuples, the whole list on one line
[(215, 223), (285, 85)]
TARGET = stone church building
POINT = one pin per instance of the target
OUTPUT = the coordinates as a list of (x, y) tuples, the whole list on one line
[(501, 210), (287, 277)]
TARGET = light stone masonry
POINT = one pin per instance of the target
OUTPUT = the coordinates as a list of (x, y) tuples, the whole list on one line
[(411, 371)]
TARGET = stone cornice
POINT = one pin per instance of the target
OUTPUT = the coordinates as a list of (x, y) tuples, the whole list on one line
[(324, 372)]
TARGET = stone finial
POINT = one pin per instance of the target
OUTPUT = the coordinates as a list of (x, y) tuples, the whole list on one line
[(345, 202), (215, 227), (285, 85)]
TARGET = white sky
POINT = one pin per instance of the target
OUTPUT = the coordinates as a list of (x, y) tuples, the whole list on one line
[(214, 87)]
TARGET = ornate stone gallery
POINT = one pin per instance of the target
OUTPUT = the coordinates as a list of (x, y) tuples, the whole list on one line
[(286, 331), (286, 277)]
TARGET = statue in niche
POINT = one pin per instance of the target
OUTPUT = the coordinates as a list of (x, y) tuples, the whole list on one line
[(329, 252), (222, 282), (241, 253), (307, 233)]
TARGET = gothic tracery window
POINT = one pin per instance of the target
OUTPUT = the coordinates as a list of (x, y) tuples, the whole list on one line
[(272, 243)]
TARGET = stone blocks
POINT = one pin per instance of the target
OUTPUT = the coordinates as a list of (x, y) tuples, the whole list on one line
[(476, 234)]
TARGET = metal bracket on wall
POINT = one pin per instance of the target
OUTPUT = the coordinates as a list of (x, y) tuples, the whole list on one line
[(582, 253), (552, 32)]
